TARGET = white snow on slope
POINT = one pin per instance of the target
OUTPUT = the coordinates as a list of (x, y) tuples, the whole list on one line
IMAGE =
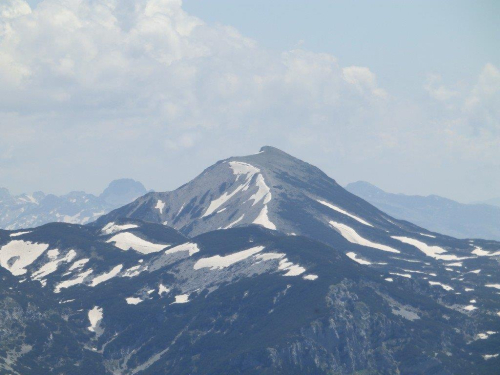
[(217, 262), (310, 277), (292, 269), (489, 356), (352, 236), (126, 241), (353, 256), (427, 235), (444, 286), (162, 289), (17, 234), (95, 318), (470, 308), (52, 266), (431, 251), (18, 254), (269, 256), (160, 205), (338, 209), (106, 276), (496, 286), (263, 191), (182, 298), (484, 335), (191, 247), (483, 253), (242, 169), (134, 271), (263, 220), (407, 275), (78, 264), (69, 283), (215, 204), (133, 300), (111, 228)]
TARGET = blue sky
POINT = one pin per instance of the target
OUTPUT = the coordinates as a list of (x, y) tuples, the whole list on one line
[(403, 94), (401, 41)]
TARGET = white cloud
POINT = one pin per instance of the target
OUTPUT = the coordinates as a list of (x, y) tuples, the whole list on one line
[(437, 90), (93, 86)]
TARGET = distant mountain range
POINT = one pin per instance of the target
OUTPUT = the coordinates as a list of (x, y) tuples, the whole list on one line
[(262, 264), (492, 201), (77, 207), (434, 213)]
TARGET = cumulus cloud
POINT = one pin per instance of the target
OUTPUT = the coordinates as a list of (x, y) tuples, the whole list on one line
[(92, 88)]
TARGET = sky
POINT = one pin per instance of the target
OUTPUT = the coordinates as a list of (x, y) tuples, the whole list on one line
[(403, 94)]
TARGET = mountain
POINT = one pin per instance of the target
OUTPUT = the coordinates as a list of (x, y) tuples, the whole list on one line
[(492, 201), (30, 210), (260, 265), (123, 191), (434, 213)]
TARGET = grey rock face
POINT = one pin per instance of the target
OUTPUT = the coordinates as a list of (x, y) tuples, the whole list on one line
[(434, 213)]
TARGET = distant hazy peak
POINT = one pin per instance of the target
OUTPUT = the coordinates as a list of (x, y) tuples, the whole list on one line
[(4, 193), (123, 191)]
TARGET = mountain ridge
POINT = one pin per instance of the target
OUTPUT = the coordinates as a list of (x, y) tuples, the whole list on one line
[(30, 210), (435, 213), (262, 264)]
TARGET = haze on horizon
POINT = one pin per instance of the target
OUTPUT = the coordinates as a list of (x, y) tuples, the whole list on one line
[(407, 98)]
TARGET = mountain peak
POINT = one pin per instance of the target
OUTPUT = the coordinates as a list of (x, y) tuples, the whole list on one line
[(122, 191), (273, 150)]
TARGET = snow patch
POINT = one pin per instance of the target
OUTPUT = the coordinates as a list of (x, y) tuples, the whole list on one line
[(52, 266), (133, 300), (69, 283), (160, 205), (162, 289), (112, 228), (95, 317), (292, 269), (269, 256), (181, 298), (106, 276), (407, 275), (126, 241), (263, 219), (78, 264), (355, 258), (470, 308), (483, 253), (338, 209), (352, 236), (191, 247), (310, 277), (444, 286), (17, 234), (217, 262), (430, 251), (18, 254), (489, 356), (496, 286)]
